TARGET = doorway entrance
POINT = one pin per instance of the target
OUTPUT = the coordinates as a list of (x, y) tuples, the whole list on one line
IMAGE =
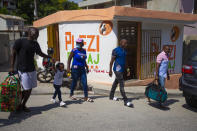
[(130, 31), (53, 40)]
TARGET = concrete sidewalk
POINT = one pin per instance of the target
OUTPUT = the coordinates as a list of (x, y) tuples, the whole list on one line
[(136, 91)]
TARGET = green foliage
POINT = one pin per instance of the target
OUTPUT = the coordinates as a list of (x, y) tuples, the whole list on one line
[(25, 8), (4, 11), (51, 6)]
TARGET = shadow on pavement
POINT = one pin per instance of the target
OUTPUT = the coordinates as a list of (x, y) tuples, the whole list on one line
[(189, 108), (130, 100), (80, 100), (170, 102), (98, 97), (165, 105), (70, 102), (158, 106), (15, 118)]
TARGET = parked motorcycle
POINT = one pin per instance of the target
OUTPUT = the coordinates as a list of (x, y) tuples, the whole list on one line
[(47, 74)]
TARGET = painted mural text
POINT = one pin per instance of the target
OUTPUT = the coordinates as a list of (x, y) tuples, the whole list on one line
[(69, 40)]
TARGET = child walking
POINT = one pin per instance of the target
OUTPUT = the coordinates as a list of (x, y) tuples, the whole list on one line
[(59, 73)]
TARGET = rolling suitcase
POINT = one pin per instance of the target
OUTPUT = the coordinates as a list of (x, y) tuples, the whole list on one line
[(155, 92)]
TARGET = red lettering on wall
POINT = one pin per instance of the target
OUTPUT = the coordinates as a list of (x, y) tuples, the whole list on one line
[(69, 40), (97, 43), (91, 42)]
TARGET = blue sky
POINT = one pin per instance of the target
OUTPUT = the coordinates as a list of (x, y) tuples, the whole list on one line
[(76, 1)]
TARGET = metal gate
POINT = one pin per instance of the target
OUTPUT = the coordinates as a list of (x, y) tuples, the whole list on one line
[(129, 31), (151, 46)]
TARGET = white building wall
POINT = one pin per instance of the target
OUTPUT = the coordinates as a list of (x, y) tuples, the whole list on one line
[(99, 59), (42, 40), (8, 24), (3, 25), (166, 40)]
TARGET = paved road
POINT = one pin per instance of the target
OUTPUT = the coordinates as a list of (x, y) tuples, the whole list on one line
[(102, 115)]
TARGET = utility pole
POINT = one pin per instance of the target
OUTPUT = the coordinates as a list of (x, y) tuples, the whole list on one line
[(35, 10)]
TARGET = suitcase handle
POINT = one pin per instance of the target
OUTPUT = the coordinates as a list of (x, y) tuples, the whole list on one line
[(12, 73)]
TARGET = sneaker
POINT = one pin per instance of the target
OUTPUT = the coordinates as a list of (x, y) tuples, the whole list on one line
[(129, 104), (53, 100), (115, 99), (62, 103)]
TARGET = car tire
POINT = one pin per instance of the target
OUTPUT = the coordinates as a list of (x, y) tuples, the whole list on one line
[(190, 100)]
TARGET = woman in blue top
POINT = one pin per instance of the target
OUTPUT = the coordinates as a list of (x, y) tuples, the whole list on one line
[(79, 69)]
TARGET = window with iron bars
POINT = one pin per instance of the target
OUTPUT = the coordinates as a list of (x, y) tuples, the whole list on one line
[(139, 3)]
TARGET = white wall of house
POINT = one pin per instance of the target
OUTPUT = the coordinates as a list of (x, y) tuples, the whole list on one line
[(11, 24), (3, 24), (175, 64), (42, 40), (89, 30)]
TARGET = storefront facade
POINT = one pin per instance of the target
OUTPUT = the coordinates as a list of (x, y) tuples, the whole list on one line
[(146, 37)]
